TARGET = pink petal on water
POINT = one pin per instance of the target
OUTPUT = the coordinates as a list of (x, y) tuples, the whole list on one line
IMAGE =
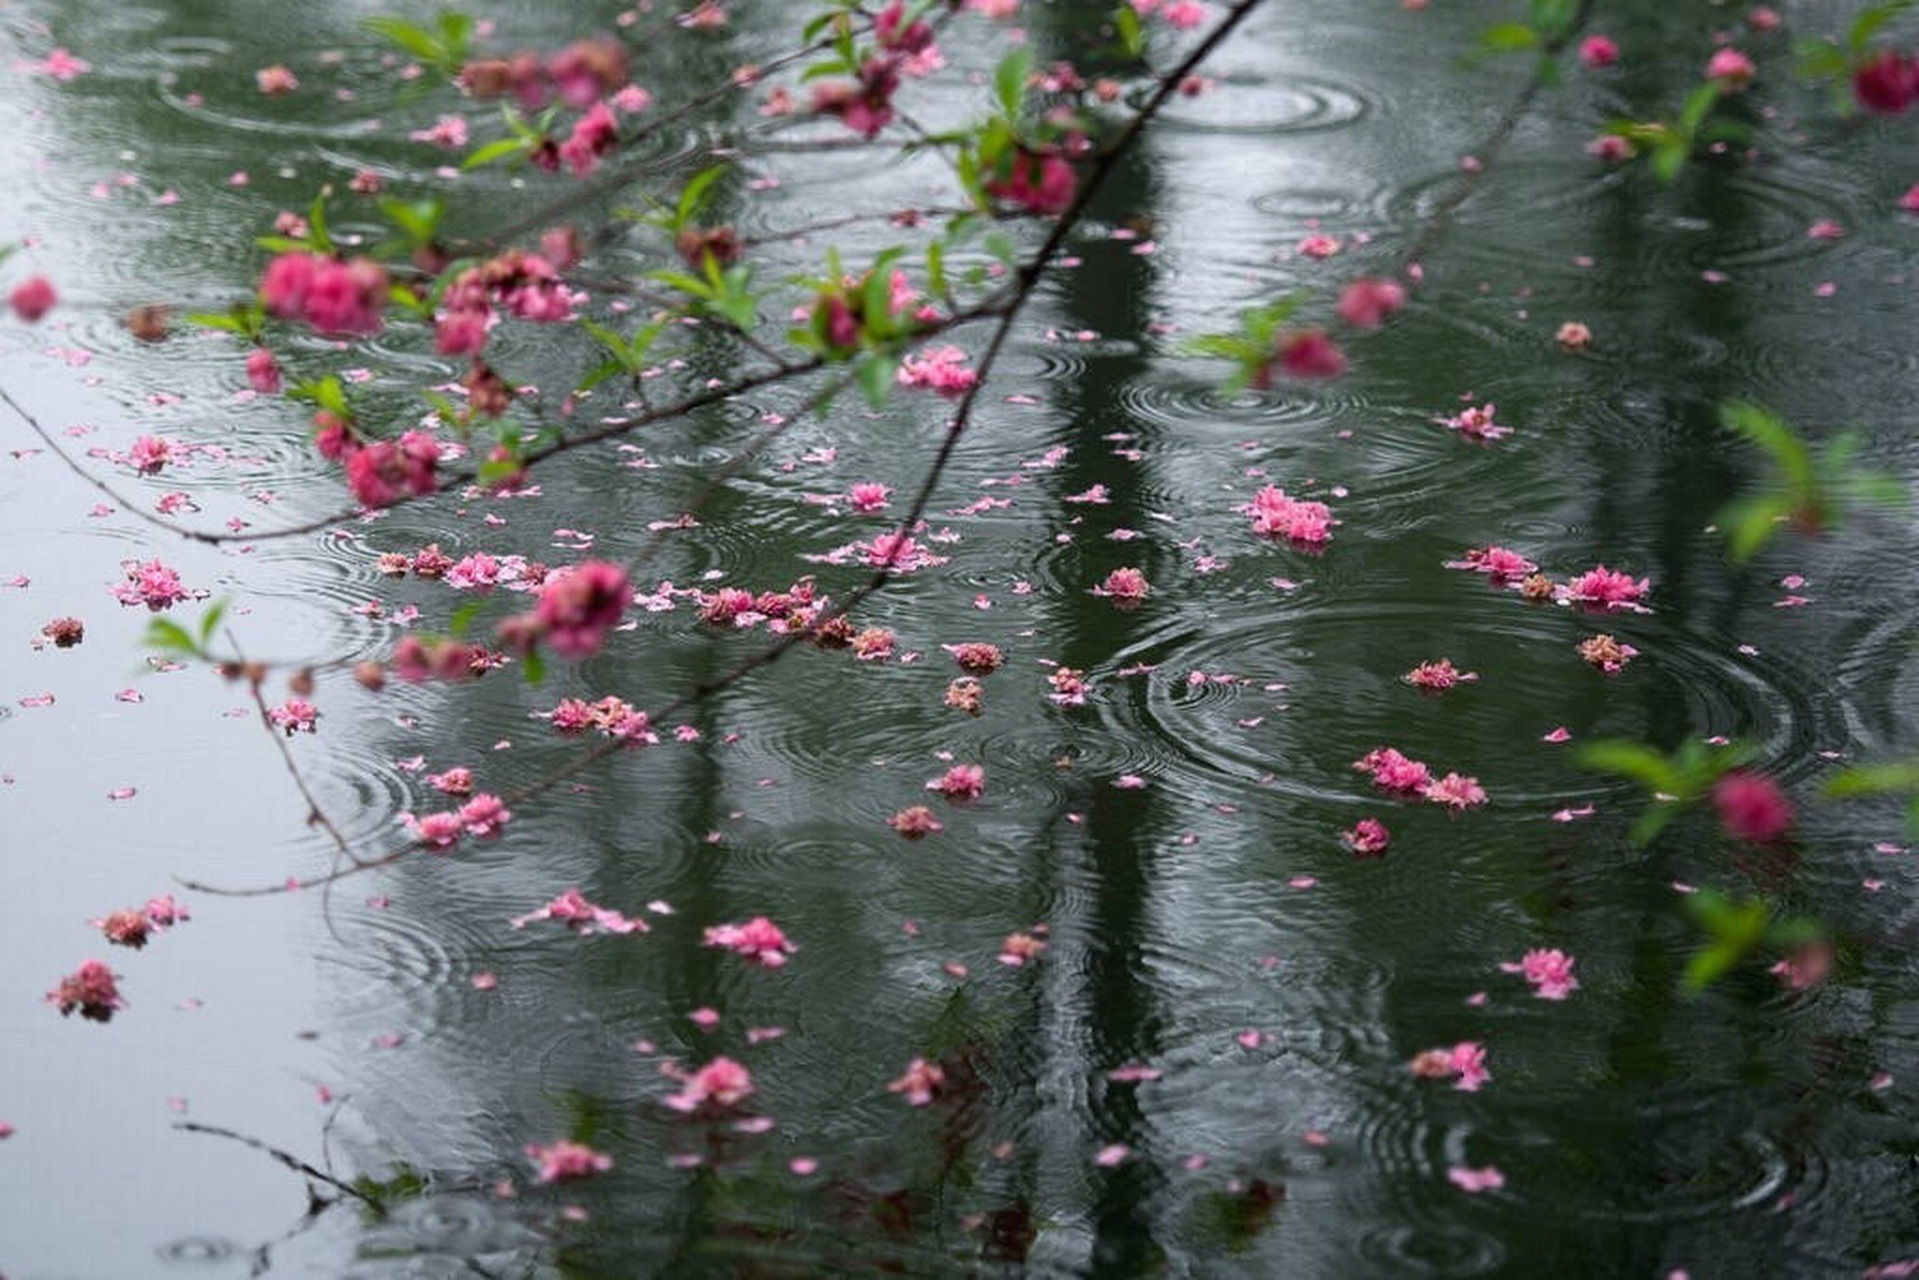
[(1112, 1154)]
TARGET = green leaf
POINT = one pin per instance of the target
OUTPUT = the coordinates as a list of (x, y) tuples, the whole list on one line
[(1749, 524), (463, 618), (496, 150), (1769, 431), (600, 374), (1669, 156), (210, 620), (1699, 103), (693, 196), (1009, 81), (876, 374), (533, 667), (1000, 245), (316, 224), (418, 41), (228, 321), (1874, 779), (1508, 37), (169, 636), (1870, 20), (1132, 37), (1634, 760)]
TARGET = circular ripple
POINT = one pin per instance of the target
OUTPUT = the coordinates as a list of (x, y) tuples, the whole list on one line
[(196, 1251), (1269, 101)]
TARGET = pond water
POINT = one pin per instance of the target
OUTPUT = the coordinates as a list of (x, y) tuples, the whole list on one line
[(1205, 1071)]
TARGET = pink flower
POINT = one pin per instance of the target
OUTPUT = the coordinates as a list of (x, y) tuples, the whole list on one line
[(580, 605), (1394, 772), (1887, 82), (1318, 246), (91, 990), (868, 497), (1605, 588), (1752, 807), (1573, 336), (163, 912), (447, 131), (1367, 303), (940, 369), (345, 297), (976, 658), (275, 80), (1125, 587), (151, 584), (1475, 422), (1069, 687), (961, 782), (32, 298), (1910, 201), (915, 822), (594, 134), (1456, 792), (295, 715), (61, 65), (1311, 354), (1806, 966), (1368, 838), (456, 781), (1436, 677), (867, 106), (1763, 18), (1549, 972), (150, 453), (1473, 1181), (582, 917), (437, 830), (565, 1161), (1613, 148), (1276, 515), (1496, 562), (1042, 184), (1019, 948), (263, 371), (1731, 66), (1598, 51), (758, 940), (720, 1084), (127, 927), (920, 1084), (484, 815), (1465, 1061)]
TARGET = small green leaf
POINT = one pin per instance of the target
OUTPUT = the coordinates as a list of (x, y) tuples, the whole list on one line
[(1009, 81), (876, 374), (533, 667), (496, 150), (169, 636), (1508, 37), (463, 618), (210, 621)]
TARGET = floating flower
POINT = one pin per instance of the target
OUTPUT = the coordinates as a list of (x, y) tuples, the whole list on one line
[(1805, 966), (1475, 422), (1731, 67), (1456, 792), (1126, 588), (940, 369), (565, 1161), (1498, 563), (150, 583), (64, 633), (869, 497), (920, 1083), (91, 990), (275, 80), (1606, 653), (1020, 948), (1473, 1181), (1465, 1062), (1367, 303), (1436, 677), (961, 782), (1752, 807), (578, 606), (127, 927), (1368, 838), (1393, 771), (1603, 588), (1573, 336), (758, 940), (915, 822), (1276, 515), (1069, 687), (484, 815), (582, 917), (719, 1085), (1549, 972), (976, 658), (295, 715)]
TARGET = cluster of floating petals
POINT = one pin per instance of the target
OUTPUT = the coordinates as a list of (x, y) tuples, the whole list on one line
[(961, 782), (1124, 587), (1603, 588), (1275, 514), (920, 1083), (916, 822), (1549, 972), (941, 369), (1498, 563), (1436, 677), (614, 717), (719, 1085), (295, 715), (565, 1161), (132, 926), (1020, 948), (1456, 791), (1606, 653), (758, 940), (582, 917), (152, 584), (1463, 1063), (1069, 687), (1393, 771), (1476, 422), (89, 990), (975, 658), (1368, 838)]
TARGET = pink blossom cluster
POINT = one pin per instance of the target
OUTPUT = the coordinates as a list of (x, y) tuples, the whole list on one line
[(32, 298), (383, 472), (1464, 1063), (961, 782), (1436, 677), (524, 285), (1275, 514), (915, 822), (579, 605), (1475, 422), (975, 657), (1499, 563), (132, 926), (573, 910), (334, 297), (719, 1085), (794, 609), (759, 940), (295, 715), (579, 75), (1549, 972), (416, 659), (1368, 838), (1124, 587), (612, 716), (565, 1161), (1019, 948), (91, 990), (1368, 302), (1393, 771), (152, 584), (483, 817), (1069, 687), (1041, 182), (1887, 82), (1604, 588), (151, 453), (941, 369), (1183, 15), (1751, 807), (920, 1083)]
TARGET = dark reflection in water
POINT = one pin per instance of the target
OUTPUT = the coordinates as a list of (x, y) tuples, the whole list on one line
[(1204, 1071)]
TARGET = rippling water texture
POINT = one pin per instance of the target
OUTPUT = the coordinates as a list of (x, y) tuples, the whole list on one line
[(1208, 925)]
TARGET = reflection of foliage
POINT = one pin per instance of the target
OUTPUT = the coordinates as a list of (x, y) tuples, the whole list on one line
[(1236, 1216), (382, 1194), (1899, 778), (1735, 929), (1674, 782), (1669, 144), (1809, 488)]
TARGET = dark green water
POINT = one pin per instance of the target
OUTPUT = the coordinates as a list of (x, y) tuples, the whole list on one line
[(1209, 925)]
